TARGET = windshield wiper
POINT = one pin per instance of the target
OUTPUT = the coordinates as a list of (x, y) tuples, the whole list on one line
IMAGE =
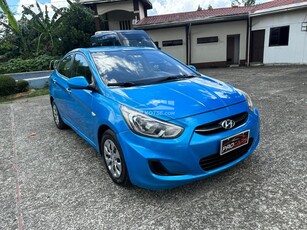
[(174, 78), (122, 84)]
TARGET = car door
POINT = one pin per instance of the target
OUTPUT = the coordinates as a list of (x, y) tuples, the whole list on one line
[(59, 83), (80, 105)]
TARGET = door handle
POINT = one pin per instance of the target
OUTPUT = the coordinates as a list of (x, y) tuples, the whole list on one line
[(54, 81), (68, 90)]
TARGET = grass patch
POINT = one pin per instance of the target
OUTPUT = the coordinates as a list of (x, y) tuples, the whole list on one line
[(30, 93)]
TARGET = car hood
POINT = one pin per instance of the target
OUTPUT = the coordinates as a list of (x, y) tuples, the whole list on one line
[(178, 99)]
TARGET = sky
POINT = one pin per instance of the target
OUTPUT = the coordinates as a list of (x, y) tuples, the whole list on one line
[(175, 6), (159, 6)]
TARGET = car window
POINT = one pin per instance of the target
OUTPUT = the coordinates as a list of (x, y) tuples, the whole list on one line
[(105, 40), (136, 40), (80, 67), (64, 66)]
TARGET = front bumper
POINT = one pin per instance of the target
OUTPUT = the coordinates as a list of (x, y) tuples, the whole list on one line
[(181, 157)]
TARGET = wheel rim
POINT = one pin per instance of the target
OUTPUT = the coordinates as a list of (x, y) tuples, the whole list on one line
[(112, 158), (55, 115)]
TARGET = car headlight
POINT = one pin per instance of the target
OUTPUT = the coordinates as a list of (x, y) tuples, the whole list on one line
[(248, 100), (148, 126)]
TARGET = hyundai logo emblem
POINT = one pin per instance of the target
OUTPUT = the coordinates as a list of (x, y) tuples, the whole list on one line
[(228, 124)]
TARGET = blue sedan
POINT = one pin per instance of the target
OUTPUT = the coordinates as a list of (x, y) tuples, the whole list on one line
[(156, 122)]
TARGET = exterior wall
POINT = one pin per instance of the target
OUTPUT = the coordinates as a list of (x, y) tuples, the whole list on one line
[(160, 35), (296, 51), (141, 10), (217, 52), (107, 7), (115, 16)]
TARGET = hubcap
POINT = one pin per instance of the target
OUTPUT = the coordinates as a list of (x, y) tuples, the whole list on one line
[(112, 157), (55, 114)]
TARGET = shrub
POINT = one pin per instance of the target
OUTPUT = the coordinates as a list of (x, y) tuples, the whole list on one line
[(18, 65), (7, 85), (22, 86)]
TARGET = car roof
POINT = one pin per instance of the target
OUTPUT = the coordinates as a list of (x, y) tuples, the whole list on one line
[(110, 48), (102, 32)]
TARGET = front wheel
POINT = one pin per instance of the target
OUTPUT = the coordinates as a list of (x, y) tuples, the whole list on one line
[(57, 117), (114, 159)]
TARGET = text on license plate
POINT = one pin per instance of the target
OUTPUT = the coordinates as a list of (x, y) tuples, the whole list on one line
[(231, 143)]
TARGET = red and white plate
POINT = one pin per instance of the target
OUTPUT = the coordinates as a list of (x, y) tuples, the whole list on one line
[(234, 142)]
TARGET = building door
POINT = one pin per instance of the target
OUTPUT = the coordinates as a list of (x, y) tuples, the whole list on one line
[(233, 49), (257, 46)]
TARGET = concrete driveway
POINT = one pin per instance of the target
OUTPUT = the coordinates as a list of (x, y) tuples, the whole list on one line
[(52, 179)]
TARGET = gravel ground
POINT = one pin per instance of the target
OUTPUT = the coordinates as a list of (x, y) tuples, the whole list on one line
[(52, 179)]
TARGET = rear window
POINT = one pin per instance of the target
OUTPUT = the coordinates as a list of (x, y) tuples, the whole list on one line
[(103, 40)]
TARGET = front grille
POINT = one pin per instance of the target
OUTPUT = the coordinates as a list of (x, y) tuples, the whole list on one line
[(216, 160), (216, 127)]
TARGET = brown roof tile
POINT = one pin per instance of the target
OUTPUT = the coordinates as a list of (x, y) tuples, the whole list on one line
[(218, 12)]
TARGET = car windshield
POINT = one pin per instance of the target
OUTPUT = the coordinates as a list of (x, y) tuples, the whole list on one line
[(138, 67)]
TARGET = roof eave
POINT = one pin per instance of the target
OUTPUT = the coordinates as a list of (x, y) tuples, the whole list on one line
[(193, 22), (279, 9)]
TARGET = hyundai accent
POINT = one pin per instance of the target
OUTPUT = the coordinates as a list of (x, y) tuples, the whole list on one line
[(157, 122)]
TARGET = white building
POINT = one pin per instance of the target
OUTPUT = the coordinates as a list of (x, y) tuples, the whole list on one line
[(279, 34), (215, 37), (269, 33)]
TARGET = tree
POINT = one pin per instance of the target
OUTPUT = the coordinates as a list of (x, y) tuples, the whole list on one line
[(243, 2), (199, 8), (43, 26), (13, 35), (37, 32), (79, 21), (210, 7)]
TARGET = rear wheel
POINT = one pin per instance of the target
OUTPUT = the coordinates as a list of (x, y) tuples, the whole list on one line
[(57, 117), (114, 159)]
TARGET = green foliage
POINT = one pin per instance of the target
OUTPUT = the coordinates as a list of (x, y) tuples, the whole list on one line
[(210, 7), (7, 47), (25, 65), (22, 86), (13, 24), (79, 21), (42, 26), (7, 85), (199, 8), (38, 34)]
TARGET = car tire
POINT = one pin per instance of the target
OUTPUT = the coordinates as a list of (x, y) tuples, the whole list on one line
[(57, 117), (114, 159)]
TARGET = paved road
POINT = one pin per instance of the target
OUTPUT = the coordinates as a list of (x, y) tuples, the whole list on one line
[(51, 179)]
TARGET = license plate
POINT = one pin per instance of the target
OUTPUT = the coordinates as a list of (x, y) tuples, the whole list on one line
[(231, 143)]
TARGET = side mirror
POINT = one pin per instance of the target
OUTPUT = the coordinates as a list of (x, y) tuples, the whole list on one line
[(192, 67), (77, 83)]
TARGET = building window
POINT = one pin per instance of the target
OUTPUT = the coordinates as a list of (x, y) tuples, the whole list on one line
[(125, 25), (279, 36), (207, 40), (173, 43)]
